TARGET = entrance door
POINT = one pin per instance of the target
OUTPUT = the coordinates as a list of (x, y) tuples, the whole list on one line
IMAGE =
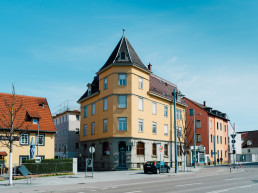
[(122, 153)]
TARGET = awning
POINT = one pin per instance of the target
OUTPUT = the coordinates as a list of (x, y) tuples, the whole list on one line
[(3, 153)]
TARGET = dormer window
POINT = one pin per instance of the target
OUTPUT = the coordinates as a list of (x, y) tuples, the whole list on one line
[(122, 56), (35, 121), (89, 89)]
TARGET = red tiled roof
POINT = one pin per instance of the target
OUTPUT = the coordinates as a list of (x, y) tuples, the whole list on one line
[(31, 108), (3, 153), (252, 137)]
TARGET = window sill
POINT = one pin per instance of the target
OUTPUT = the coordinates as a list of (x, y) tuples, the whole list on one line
[(154, 156)]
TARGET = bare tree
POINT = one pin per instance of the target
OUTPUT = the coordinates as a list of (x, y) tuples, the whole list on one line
[(12, 119), (186, 138)]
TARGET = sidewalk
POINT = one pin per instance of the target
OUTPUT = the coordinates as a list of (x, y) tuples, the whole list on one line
[(80, 178)]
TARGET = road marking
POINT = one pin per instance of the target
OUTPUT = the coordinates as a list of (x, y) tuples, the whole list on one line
[(133, 192), (228, 189), (233, 178), (188, 184)]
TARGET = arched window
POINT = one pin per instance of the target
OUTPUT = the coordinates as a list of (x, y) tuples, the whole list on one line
[(154, 149), (140, 148), (166, 149), (122, 56)]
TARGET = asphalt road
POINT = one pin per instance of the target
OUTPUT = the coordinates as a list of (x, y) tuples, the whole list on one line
[(208, 180)]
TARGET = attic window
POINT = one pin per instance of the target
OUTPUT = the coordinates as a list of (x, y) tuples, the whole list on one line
[(160, 81), (42, 105), (166, 84), (122, 56)]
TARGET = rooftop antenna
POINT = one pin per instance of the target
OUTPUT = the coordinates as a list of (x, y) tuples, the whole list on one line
[(123, 31)]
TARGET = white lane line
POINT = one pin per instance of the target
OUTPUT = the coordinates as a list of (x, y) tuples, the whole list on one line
[(228, 189), (188, 184), (233, 178), (133, 192), (93, 190), (113, 187)]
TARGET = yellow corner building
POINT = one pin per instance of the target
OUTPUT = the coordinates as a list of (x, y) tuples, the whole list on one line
[(127, 113)]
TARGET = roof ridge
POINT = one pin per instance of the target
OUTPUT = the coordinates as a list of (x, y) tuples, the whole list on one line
[(23, 95)]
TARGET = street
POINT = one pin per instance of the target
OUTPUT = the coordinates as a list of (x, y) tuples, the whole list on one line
[(206, 179)]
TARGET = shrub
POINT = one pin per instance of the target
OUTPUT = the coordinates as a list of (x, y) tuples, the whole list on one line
[(48, 166)]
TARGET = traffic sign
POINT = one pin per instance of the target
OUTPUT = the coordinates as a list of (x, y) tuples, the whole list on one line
[(161, 148), (233, 136), (233, 141), (92, 149)]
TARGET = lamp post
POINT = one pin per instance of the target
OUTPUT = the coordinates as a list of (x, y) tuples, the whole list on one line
[(38, 141), (193, 114), (175, 94)]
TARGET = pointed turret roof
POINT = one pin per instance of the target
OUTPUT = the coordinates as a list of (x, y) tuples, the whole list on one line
[(124, 54)]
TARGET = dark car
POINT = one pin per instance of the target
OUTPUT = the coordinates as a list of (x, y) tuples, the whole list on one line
[(155, 167)]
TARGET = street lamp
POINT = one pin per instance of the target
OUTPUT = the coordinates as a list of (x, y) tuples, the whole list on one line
[(175, 94), (192, 113)]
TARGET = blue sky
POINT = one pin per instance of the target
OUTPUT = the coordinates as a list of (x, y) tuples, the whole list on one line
[(207, 48)]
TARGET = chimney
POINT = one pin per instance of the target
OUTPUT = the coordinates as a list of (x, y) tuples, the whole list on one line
[(150, 67), (204, 103)]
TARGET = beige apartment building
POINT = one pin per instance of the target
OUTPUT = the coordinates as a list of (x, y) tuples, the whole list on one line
[(127, 113)]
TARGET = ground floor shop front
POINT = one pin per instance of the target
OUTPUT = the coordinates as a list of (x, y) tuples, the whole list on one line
[(127, 153)]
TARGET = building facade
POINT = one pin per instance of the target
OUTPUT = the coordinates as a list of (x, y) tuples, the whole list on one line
[(67, 140), (127, 113), (211, 129), (35, 117)]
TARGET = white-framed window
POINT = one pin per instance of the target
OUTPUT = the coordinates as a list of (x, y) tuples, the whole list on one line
[(92, 128), (154, 108), (85, 112), (140, 83), (210, 124), (105, 104), (198, 124), (140, 106), (165, 111), (179, 131), (85, 130), (122, 101), (166, 129), (179, 114), (154, 128), (105, 125), (122, 79), (35, 121), (199, 139), (22, 158), (41, 139), (93, 109), (24, 139), (105, 83), (122, 123), (140, 125)]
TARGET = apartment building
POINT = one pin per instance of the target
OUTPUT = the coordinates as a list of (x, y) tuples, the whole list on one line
[(67, 140), (127, 113), (35, 117), (211, 133)]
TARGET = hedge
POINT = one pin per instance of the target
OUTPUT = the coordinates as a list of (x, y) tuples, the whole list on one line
[(48, 166)]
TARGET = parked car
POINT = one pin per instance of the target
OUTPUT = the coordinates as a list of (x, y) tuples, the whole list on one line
[(155, 167)]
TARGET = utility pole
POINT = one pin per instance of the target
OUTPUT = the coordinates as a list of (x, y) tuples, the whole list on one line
[(214, 150), (194, 139), (175, 130)]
